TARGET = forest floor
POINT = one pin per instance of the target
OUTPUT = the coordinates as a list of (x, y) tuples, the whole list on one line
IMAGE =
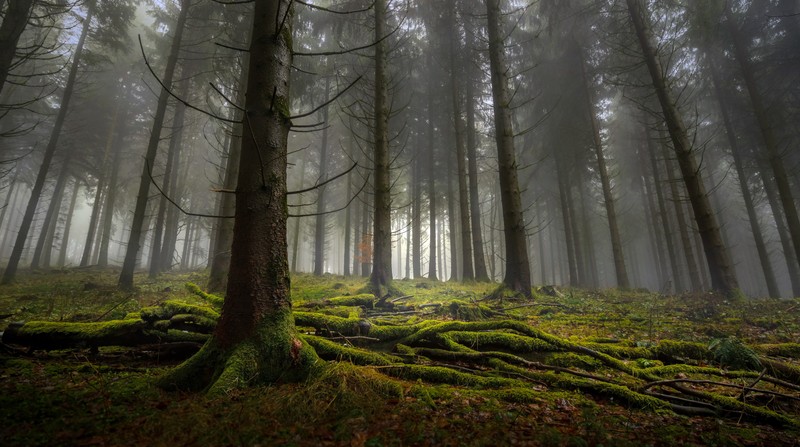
[(566, 368)]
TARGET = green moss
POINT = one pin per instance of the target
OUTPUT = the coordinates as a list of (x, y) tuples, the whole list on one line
[(170, 308), (461, 310), (671, 349), (329, 350), (329, 323), (791, 350), (214, 300), (484, 341), (56, 335), (572, 360), (366, 300), (438, 374)]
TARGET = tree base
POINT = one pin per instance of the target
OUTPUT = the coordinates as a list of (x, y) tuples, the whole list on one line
[(274, 353)]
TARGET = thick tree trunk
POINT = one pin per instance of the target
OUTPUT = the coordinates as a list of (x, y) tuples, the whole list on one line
[(723, 277), (381, 277), (319, 225), (14, 22), (517, 270), (36, 192), (137, 224), (255, 340)]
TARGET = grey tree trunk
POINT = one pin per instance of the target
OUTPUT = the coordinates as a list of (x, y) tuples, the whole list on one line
[(517, 269), (720, 266), (451, 221), (62, 254), (111, 197), (319, 225), (36, 192), (41, 254), (432, 251), (135, 239)]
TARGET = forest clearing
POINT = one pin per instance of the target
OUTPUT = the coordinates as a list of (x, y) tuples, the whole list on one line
[(572, 367)]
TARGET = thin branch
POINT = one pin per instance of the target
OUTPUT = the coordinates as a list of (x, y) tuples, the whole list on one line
[(328, 102), (320, 185), (338, 209)]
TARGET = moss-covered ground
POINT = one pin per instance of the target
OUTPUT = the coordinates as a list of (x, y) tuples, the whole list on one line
[(441, 367)]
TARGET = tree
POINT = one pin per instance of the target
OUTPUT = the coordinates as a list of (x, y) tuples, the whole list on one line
[(36, 192), (134, 240), (14, 22), (517, 271), (381, 277), (723, 277), (255, 339)]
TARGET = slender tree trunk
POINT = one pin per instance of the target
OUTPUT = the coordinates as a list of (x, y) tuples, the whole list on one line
[(677, 273), (381, 278), (366, 240), (111, 197), (175, 141), (135, 239), (517, 270), (357, 213), (101, 186), (683, 226), (783, 232), (767, 128), (563, 190), (14, 22), (736, 153), (576, 234), (605, 181), (298, 221), (319, 227), (432, 271), (36, 192), (723, 277), (62, 254), (41, 254), (416, 210), (348, 227), (451, 221)]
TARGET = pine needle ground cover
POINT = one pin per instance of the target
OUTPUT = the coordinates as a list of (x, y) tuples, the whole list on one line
[(438, 364)]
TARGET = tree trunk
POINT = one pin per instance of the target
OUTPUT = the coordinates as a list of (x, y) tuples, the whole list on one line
[(62, 254), (298, 228), (432, 251), (14, 22), (767, 129), (605, 181), (416, 211), (135, 238), (36, 192), (255, 340), (41, 254), (111, 197), (517, 270), (175, 141), (720, 266), (783, 233), (736, 153), (451, 220), (319, 225), (566, 217), (381, 277), (459, 128)]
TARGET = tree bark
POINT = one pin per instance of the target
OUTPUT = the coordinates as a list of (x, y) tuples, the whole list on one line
[(381, 277), (432, 252), (14, 23), (517, 270), (319, 225), (255, 340), (723, 277), (62, 254), (111, 197), (36, 192), (135, 237)]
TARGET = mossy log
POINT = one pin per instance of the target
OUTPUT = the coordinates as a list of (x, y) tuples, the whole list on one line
[(55, 335)]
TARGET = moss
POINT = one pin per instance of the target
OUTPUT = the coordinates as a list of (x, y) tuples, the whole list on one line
[(791, 350), (625, 352), (461, 310), (366, 300), (170, 308), (674, 370), (494, 340), (192, 322), (329, 350), (671, 349), (572, 360), (329, 323), (214, 300), (438, 374), (521, 395), (56, 335)]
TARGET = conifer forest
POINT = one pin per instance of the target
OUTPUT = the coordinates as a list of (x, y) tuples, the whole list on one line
[(400, 222)]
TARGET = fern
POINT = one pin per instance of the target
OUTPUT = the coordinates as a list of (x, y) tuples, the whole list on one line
[(731, 353)]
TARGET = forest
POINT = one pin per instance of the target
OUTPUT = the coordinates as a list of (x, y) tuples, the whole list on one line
[(400, 222)]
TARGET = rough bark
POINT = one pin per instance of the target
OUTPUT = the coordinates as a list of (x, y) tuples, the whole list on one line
[(723, 277), (517, 270), (14, 22), (255, 340), (137, 224), (36, 192)]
